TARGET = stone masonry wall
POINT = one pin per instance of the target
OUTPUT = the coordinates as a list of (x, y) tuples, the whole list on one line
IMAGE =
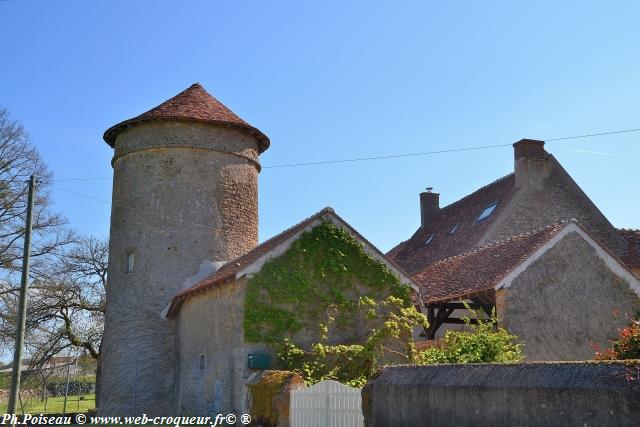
[(496, 395), (565, 301), (213, 356), (184, 197)]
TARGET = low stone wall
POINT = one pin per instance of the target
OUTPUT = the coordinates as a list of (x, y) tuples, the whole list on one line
[(522, 394), (270, 396)]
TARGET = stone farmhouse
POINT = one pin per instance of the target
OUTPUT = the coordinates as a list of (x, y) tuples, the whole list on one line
[(57, 365), (533, 246), (187, 323), (214, 365)]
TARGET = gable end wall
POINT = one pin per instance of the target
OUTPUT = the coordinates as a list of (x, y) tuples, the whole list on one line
[(554, 198), (564, 301)]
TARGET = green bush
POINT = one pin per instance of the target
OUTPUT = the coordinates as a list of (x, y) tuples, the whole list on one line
[(480, 343), (80, 385), (5, 380), (626, 346)]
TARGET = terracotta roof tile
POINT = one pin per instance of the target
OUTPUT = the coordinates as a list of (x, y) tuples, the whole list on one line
[(192, 104), (632, 255), (481, 269), (228, 271), (414, 254)]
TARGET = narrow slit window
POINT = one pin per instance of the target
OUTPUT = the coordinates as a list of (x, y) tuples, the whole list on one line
[(202, 361), (486, 213), (429, 240), (454, 228), (130, 261)]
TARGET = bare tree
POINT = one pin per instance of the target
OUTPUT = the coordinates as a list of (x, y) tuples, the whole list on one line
[(18, 160), (67, 302), (68, 274)]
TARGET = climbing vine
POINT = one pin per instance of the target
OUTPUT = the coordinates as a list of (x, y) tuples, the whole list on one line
[(329, 310)]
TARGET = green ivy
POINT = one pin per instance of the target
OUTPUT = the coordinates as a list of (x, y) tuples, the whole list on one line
[(321, 284)]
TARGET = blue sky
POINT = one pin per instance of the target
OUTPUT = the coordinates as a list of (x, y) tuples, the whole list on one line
[(333, 80)]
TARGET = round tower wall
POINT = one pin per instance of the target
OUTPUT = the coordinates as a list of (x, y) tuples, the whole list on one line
[(184, 198)]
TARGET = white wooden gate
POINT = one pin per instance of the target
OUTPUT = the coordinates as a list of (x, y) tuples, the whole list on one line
[(326, 404)]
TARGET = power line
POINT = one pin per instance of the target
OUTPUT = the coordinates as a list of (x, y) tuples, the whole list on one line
[(453, 150), (84, 195), (400, 155), (357, 159), (391, 156), (592, 134)]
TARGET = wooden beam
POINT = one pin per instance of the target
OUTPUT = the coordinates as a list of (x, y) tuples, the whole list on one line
[(460, 306), (487, 308), (430, 331), (436, 319), (456, 321)]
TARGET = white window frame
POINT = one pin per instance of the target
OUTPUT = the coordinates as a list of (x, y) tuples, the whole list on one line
[(490, 207), (129, 261)]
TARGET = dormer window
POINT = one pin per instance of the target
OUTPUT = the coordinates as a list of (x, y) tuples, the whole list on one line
[(454, 228), (486, 213), (429, 239)]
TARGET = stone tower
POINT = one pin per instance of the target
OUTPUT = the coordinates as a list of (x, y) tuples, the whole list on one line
[(185, 200)]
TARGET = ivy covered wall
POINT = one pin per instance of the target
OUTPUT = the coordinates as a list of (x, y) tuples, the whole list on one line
[(326, 299)]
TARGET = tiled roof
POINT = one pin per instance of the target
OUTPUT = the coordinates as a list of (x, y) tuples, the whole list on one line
[(228, 271), (192, 104), (481, 269), (414, 255), (632, 256)]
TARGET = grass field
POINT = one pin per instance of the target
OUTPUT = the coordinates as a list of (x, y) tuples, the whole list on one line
[(55, 405)]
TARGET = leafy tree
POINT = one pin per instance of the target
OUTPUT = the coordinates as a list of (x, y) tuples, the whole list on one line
[(480, 343)]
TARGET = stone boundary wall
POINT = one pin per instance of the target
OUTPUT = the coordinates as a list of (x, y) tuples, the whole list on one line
[(520, 394)]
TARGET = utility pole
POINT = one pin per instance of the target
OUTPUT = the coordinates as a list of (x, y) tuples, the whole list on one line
[(22, 305), (66, 391)]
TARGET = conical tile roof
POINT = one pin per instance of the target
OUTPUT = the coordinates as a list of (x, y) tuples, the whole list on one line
[(192, 104)]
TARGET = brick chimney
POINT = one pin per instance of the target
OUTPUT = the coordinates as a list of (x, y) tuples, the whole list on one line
[(429, 206), (531, 165), (530, 149)]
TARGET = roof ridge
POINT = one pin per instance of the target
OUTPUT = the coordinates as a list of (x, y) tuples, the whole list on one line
[(326, 209), (531, 232), (231, 268), (477, 191), (227, 270), (494, 244)]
